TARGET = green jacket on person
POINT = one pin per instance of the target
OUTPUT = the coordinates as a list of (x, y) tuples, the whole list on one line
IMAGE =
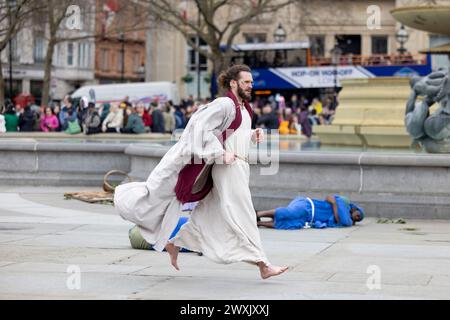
[(11, 122), (135, 122)]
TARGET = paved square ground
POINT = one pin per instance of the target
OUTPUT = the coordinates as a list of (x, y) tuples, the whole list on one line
[(44, 238)]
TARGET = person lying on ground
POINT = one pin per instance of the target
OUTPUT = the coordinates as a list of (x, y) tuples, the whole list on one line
[(138, 242), (304, 212)]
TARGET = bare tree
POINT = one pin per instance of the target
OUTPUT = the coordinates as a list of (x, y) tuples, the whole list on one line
[(210, 25), (13, 15), (56, 13)]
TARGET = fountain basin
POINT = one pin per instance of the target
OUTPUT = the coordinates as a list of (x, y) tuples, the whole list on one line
[(386, 184)]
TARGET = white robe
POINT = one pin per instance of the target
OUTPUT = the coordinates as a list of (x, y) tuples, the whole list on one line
[(223, 225), (158, 212)]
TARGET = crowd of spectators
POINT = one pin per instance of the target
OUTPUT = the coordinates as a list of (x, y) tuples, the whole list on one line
[(84, 116), (296, 116)]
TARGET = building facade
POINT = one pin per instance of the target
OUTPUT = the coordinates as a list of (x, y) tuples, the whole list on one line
[(162, 54), (120, 47), (95, 51), (360, 28), (73, 60)]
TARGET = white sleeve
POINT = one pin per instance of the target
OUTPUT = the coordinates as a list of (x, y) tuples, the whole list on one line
[(204, 131), (117, 120)]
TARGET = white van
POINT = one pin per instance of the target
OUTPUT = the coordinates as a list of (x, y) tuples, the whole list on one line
[(145, 92)]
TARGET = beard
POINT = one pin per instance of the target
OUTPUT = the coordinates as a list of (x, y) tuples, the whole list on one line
[(244, 95)]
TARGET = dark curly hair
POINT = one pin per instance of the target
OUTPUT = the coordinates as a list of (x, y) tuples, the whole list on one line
[(232, 73)]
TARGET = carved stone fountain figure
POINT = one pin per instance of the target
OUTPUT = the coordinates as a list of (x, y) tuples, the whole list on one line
[(430, 129)]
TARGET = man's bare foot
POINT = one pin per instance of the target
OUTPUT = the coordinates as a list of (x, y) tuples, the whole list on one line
[(268, 271), (173, 250)]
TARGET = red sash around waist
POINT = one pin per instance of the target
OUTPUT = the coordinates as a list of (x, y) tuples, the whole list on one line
[(187, 177)]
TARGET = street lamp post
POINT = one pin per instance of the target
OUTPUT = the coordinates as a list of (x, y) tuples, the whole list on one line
[(279, 36), (336, 54), (402, 36), (122, 40), (12, 5), (197, 56), (10, 71)]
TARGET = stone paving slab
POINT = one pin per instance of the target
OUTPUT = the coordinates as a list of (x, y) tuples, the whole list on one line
[(69, 255), (5, 238), (236, 289), (42, 267), (391, 278), (92, 285), (441, 281), (228, 273), (77, 240), (360, 264), (38, 242), (34, 228)]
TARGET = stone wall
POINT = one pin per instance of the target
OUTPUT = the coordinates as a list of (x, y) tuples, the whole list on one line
[(59, 164), (385, 184)]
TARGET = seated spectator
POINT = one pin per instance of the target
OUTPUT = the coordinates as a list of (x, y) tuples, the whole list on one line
[(82, 110), (325, 116), (294, 125), (304, 102), (281, 102), (11, 119), (284, 129), (127, 102), (180, 120), (269, 119), (188, 114), (40, 113), (66, 103), (67, 115), (146, 117), (198, 103), (314, 118), (2, 123), (317, 105), (91, 123), (113, 121), (287, 112), (280, 116), (190, 101), (72, 126), (134, 123), (35, 108), (49, 122), (157, 118), (329, 104), (104, 111), (304, 123), (304, 212), (169, 119), (27, 119), (57, 111), (256, 116), (294, 103), (289, 126)]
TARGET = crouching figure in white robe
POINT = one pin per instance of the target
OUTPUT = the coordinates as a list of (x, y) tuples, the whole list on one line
[(223, 224)]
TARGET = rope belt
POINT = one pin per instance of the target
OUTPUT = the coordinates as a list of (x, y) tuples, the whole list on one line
[(308, 224)]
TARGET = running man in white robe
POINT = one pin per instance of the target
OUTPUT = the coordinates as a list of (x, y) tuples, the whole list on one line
[(223, 225)]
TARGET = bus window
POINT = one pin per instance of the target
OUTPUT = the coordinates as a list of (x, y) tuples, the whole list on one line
[(273, 55)]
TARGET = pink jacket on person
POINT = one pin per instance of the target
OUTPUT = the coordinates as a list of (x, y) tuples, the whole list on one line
[(49, 121)]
